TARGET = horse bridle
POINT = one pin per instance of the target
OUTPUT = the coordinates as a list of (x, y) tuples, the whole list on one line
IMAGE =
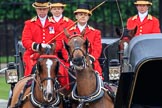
[(85, 54), (54, 103), (54, 80)]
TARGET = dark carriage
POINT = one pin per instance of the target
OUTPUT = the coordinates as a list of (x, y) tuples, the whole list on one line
[(140, 83)]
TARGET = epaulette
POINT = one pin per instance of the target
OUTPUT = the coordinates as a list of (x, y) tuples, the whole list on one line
[(65, 19), (91, 28), (34, 19), (50, 19), (73, 28), (134, 17), (149, 17)]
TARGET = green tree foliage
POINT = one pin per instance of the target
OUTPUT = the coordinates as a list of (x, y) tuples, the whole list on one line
[(111, 14), (15, 9), (22, 9)]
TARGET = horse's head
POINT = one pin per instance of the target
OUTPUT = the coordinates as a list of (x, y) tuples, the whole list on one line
[(130, 33), (77, 48), (125, 35), (47, 70)]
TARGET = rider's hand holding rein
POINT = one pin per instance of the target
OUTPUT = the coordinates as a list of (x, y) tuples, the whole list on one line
[(36, 46)]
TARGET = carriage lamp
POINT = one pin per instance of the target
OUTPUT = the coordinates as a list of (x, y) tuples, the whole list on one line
[(11, 74), (114, 69)]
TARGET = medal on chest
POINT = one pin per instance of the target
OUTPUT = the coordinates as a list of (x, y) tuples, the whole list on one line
[(51, 30)]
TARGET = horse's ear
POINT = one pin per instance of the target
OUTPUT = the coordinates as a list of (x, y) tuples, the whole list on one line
[(38, 67), (53, 47), (66, 46), (83, 32), (66, 33), (118, 31), (87, 45), (133, 32)]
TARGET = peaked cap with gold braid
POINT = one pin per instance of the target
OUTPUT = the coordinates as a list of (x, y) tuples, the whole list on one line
[(57, 3), (41, 4), (83, 8), (142, 2)]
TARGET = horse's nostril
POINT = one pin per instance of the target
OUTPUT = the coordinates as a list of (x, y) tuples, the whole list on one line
[(78, 61), (75, 60), (49, 96)]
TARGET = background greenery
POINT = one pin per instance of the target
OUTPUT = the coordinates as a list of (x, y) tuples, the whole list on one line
[(4, 88), (22, 9), (4, 59)]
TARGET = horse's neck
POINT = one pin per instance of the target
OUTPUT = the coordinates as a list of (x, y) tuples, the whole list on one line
[(86, 82)]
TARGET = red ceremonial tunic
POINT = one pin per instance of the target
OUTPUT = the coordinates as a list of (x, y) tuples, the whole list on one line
[(149, 25), (35, 32), (94, 37), (64, 22)]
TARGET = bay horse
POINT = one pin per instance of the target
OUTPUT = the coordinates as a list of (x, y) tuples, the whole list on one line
[(88, 91), (39, 90), (125, 36)]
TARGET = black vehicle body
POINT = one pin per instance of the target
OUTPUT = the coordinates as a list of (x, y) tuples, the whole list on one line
[(140, 83)]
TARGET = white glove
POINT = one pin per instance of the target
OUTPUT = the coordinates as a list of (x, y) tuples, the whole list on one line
[(45, 45)]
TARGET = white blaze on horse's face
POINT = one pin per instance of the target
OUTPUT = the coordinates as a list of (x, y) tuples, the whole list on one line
[(75, 40), (49, 65)]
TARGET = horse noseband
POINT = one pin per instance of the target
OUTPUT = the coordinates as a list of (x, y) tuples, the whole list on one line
[(78, 61)]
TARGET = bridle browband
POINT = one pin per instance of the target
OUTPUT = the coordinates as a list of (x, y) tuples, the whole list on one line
[(74, 35), (57, 99), (49, 56)]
